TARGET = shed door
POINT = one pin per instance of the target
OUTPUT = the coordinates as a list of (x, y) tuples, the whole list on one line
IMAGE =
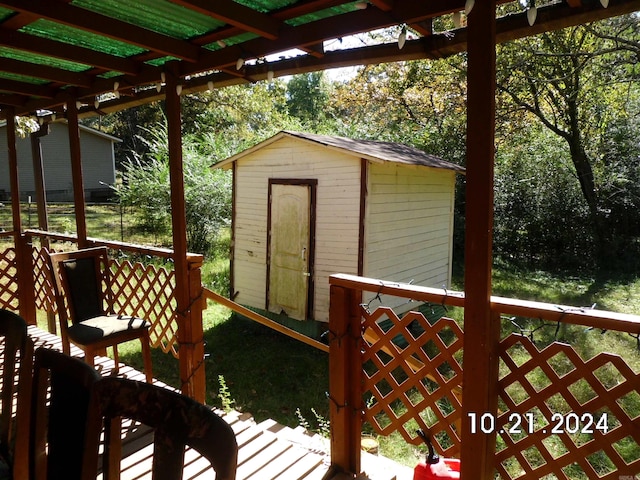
[(289, 266)]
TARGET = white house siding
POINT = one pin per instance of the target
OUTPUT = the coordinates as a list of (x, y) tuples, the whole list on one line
[(337, 215), (98, 164), (409, 225)]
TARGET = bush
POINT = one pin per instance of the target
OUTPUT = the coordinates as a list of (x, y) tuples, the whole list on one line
[(146, 185)]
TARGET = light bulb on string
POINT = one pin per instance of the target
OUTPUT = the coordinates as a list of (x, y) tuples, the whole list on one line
[(468, 6), (402, 38)]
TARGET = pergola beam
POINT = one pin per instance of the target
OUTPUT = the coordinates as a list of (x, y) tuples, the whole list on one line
[(237, 15), (92, 22), (64, 51)]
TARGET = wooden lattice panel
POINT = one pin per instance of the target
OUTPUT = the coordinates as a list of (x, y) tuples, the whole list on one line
[(147, 291), (43, 281), (413, 377), (8, 280), (555, 389)]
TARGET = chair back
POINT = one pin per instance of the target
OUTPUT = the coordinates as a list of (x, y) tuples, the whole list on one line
[(78, 278), (177, 421), (17, 363), (59, 432)]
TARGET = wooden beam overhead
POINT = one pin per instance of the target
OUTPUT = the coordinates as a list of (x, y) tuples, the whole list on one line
[(115, 29), (22, 88), (384, 5), (235, 14), (45, 72), (72, 53)]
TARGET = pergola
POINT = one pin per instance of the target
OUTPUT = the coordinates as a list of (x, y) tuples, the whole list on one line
[(73, 58)]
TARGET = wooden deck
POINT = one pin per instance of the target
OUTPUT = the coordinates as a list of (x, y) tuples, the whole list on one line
[(267, 450)]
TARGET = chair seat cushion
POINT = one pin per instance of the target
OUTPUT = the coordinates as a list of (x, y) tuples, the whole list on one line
[(98, 328)]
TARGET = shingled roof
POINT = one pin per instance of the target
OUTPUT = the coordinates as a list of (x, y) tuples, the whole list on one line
[(369, 149)]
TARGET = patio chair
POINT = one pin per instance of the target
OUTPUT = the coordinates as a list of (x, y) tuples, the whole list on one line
[(17, 362), (177, 420), (78, 278), (61, 395)]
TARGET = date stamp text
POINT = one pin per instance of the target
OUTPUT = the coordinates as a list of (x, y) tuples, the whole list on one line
[(527, 423)]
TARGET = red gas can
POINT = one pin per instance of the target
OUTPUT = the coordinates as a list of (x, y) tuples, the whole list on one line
[(435, 467), (445, 468)]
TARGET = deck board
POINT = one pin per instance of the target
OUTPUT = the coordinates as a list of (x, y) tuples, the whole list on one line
[(267, 450)]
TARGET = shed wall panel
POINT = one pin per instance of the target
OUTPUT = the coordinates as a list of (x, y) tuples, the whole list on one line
[(409, 225), (337, 215)]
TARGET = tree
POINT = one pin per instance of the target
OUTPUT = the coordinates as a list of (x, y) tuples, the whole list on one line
[(307, 97), (571, 81)]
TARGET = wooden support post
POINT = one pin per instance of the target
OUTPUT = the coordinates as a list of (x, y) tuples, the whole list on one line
[(197, 379), (38, 178), (76, 173), (345, 379), (13, 174), (190, 341), (41, 201), (481, 328)]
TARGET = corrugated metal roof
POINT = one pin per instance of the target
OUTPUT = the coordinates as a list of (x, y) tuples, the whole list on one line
[(55, 50), (369, 149)]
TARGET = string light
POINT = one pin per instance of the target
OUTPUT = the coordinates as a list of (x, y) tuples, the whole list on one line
[(178, 89), (468, 6), (604, 3), (239, 63), (210, 85), (532, 13), (96, 103), (457, 19), (402, 38), (270, 75), (361, 5)]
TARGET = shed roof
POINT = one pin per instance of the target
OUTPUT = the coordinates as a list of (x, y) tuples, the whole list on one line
[(371, 150)]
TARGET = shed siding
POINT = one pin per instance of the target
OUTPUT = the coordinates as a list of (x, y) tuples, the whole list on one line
[(409, 226), (97, 163), (337, 215)]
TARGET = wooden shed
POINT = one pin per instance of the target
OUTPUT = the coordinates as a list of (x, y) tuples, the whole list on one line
[(306, 206)]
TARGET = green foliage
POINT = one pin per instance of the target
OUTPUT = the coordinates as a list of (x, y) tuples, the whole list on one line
[(146, 185), (307, 97), (225, 395)]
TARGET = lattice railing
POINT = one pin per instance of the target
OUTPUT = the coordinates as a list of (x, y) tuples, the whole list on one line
[(413, 376), (8, 279), (147, 291), (577, 419), (559, 416)]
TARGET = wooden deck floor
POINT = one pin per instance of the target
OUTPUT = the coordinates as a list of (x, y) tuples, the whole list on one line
[(267, 450)]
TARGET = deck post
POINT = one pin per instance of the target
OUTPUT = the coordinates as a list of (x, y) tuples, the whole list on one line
[(76, 173), (481, 327), (191, 363), (24, 269), (345, 371)]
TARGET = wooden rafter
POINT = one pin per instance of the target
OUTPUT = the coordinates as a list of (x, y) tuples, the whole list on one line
[(72, 53), (46, 72), (92, 22), (235, 14)]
